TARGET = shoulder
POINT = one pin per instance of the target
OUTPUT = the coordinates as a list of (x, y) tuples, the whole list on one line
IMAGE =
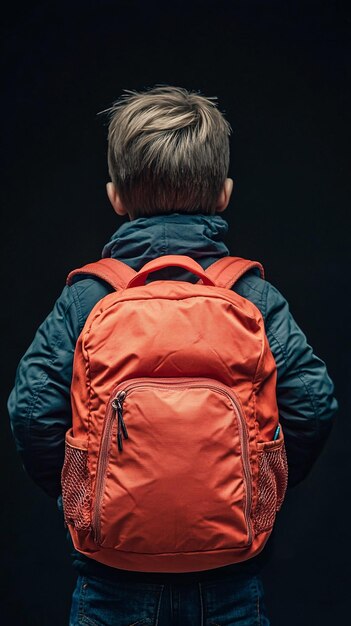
[(254, 288), (261, 293), (86, 292)]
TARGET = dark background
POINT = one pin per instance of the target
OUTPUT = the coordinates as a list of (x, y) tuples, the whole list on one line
[(281, 72)]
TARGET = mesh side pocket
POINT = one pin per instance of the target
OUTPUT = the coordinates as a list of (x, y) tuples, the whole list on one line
[(272, 483), (76, 487)]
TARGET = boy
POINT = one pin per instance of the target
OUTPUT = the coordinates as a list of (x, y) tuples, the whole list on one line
[(168, 156)]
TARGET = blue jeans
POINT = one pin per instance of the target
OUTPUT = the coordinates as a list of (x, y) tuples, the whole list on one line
[(236, 600)]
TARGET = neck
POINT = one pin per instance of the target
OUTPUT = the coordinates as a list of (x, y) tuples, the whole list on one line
[(199, 236)]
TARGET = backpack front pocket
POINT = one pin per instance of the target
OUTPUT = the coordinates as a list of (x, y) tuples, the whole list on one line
[(75, 480), (272, 483), (173, 471)]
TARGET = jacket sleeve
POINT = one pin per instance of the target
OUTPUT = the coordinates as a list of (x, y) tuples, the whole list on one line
[(39, 404), (305, 392)]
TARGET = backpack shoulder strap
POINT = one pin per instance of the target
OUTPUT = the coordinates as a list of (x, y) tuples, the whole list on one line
[(113, 271), (227, 270)]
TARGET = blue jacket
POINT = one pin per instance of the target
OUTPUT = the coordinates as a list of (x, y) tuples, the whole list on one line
[(39, 404)]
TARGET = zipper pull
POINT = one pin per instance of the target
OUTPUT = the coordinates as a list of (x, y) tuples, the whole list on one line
[(117, 404)]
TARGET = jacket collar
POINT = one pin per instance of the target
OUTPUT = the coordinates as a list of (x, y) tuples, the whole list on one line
[(199, 236)]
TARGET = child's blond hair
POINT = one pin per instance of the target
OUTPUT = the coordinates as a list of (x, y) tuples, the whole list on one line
[(168, 151)]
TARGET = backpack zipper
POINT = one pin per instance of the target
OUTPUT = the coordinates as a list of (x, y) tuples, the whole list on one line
[(116, 407)]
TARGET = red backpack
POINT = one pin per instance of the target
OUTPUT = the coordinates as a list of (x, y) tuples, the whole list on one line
[(175, 461)]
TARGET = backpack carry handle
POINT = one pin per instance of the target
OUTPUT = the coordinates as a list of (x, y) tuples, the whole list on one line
[(169, 260)]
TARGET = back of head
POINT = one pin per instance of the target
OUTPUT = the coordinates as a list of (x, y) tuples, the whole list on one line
[(168, 151)]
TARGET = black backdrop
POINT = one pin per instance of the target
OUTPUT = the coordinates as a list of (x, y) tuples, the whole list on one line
[(281, 72)]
